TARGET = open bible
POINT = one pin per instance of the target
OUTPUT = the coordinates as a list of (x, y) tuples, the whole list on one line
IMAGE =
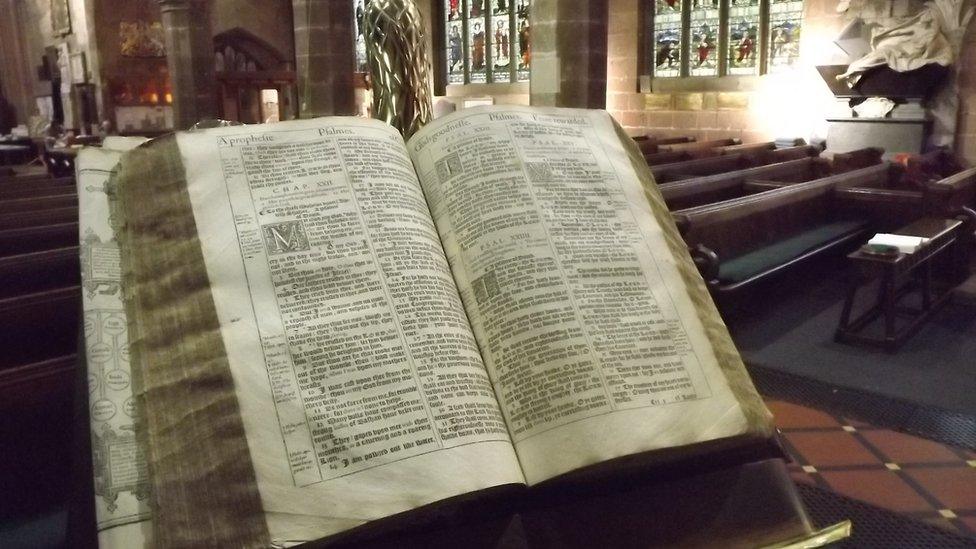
[(327, 326)]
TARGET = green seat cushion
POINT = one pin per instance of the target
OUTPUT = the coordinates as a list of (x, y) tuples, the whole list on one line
[(777, 253)]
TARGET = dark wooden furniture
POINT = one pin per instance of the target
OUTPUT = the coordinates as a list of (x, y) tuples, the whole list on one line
[(730, 161), (898, 275), (708, 189), (39, 271), (23, 219), (15, 205), (24, 240), (738, 242)]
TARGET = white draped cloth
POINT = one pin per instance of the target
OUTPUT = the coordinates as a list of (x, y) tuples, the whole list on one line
[(933, 35)]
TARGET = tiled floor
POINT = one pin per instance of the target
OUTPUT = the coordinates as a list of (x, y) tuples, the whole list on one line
[(920, 478)]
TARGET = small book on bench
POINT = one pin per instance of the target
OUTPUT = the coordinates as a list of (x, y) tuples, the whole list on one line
[(904, 243)]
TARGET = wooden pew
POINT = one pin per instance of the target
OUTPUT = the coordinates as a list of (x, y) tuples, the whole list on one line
[(25, 240), (724, 186), (710, 144), (38, 327), (649, 144), (25, 219), (667, 157), (16, 183), (38, 203), (39, 336), (739, 242), (729, 162), (39, 271), (692, 191), (890, 206), (37, 193)]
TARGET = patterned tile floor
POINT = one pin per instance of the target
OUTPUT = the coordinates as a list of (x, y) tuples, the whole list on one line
[(920, 478)]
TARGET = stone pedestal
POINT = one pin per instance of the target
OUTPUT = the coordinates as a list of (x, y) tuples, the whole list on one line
[(189, 53), (569, 53), (325, 57)]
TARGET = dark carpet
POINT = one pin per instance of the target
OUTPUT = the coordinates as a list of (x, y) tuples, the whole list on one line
[(873, 527), (788, 325)]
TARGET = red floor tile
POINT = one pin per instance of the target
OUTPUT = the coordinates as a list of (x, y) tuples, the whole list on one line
[(881, 488), (901, 448), (787, 415), (831, 448), (955, 487), (970, 523)]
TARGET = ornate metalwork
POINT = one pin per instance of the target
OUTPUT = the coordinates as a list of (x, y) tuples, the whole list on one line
[(399, 64)]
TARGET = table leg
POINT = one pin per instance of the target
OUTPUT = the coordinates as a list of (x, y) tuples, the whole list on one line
[(927, 286), (888, 287)]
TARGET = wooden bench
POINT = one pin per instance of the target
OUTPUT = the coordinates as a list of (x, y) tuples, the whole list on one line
[(18, 183), (39, 271), (664, 173), (18, 194), (38, 327), (724, 186), (889, 204), (667, 157), (694, 145), (15, 205), (24, 219), (649, 144), (25, 240), (739, 242)]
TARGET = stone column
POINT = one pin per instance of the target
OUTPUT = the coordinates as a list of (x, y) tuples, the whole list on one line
[(569, 53), (190, 56), (325, 57)]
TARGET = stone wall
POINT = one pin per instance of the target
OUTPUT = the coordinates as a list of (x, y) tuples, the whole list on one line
[(752, 109), (269, 20), (786, 105), (29, 23)]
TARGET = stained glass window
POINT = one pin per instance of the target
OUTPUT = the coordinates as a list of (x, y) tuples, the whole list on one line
[(743, 32), (721, 37), (454, 41), (785, 17), (523, 41), (704, 38), (486, 41), (667, 38)]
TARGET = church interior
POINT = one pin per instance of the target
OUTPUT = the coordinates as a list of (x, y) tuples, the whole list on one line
[(817, 158)]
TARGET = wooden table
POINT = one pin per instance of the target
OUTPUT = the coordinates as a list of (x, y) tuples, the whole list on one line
[(899, 275)]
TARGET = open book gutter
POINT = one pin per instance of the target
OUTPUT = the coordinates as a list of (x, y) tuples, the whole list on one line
[(297, 329)]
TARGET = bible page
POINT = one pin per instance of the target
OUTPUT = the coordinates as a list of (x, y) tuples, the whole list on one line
[(122, 511), (593, 346), (360, 384)]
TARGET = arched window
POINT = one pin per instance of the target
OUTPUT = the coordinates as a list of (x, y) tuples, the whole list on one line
[(721, 37), (486, 41)]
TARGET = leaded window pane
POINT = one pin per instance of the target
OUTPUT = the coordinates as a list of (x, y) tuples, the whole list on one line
[(523, 41), (743, 32), (454, 56), (501, 40), (486, 41), (785, 19), (667, 38), (477, 41), (704, 38)]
